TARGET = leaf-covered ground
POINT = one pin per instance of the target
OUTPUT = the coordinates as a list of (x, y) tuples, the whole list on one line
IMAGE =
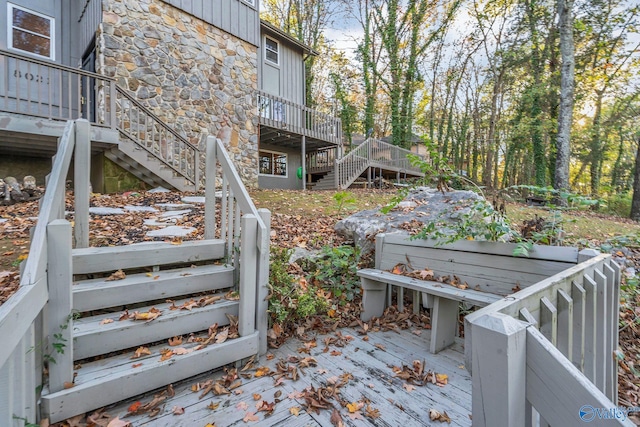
[(306, 220)]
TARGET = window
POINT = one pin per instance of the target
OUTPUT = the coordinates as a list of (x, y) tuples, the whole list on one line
[(273, 163), (271, 50), (31, 32)]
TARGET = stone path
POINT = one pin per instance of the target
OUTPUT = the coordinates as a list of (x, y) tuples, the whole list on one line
[(164, 216)]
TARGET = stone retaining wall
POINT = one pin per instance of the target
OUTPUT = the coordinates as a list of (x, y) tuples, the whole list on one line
[(189, 73)]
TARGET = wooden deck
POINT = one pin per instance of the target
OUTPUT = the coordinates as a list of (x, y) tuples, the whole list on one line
[(369, 359)]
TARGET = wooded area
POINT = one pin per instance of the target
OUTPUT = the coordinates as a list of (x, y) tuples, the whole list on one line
[(511, 92)]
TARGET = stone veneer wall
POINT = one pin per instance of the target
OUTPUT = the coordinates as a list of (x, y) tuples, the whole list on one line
[(189, 73)]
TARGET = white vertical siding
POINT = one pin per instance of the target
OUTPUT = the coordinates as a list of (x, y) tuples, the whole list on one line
[(289, 72)]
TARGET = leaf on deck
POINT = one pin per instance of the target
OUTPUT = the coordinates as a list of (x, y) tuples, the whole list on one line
[(118, 275)]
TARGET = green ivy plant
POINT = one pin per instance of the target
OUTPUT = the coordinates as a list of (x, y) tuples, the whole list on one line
[(288, 300), (335, 270)]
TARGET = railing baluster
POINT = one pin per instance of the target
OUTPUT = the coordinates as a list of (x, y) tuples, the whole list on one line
[(602, 330), (579, 297)]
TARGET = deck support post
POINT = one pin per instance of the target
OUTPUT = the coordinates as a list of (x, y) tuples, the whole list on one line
[(262, 304), (60, 316), (210, 189), (499, 371), (248, 275), (304, 161), (81, 174)]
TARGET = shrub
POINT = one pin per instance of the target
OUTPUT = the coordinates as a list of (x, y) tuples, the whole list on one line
[(335, 270), (290, 297)]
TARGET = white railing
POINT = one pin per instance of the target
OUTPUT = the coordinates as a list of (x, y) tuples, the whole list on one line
[(283, 114), (149, 132), (23, 327), (36, 88), (246, 231), (322, 160), (545, 355), (372, 153)]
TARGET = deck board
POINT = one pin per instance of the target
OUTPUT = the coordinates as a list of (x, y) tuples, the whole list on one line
[(373, 379)]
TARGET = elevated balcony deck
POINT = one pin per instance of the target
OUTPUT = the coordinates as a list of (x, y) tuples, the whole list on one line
[(284, 123)]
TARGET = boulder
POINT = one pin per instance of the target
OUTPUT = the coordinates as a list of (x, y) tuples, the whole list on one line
[(422, 205)]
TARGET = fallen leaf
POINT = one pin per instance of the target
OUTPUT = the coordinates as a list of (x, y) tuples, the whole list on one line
[(141, 351), (250, 416), (166, 354), (177, 410), (106, 321), (175, 341), (222, 336), (213, 406), (336, 418), (136, 365), (295, 410), (118, 275), (354, 406), (380, 346), (262, 371), (439, 416), (180, 351), (257, 396), (243, 406), (134, 407), (408, 387), (372, 413), (68, 385), (117, 422), (442, 379)]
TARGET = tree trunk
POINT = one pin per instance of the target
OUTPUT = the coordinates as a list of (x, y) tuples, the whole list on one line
[(565, 112), (635, 203)]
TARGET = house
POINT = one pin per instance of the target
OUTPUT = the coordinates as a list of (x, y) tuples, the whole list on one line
[(176, 70)]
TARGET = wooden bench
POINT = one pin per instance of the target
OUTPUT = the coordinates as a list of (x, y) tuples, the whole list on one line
[(488, 268)]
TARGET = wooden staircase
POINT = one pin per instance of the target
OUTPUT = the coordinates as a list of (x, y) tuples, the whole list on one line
[(99, 320), (159, 276)]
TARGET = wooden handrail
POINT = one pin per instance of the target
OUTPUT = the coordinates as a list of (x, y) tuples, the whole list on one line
[(574, 312), (155, 118)]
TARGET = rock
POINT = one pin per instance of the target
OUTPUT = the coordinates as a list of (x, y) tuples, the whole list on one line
[(422, 205), (29, 183), (194, 199), (174, 214), (140, 209), (175, 206), (173, 231), (106, 211), (159, 190)]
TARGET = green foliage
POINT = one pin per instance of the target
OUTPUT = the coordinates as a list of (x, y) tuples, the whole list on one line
[(336, 270), (343, 199), (477, 221), (58, 343), (290, 299), (26, 422), (549, 194), (619, 204)]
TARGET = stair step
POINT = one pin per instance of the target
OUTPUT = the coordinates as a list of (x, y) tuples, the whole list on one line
[(104, 259), (111, 380), (95, 294), (93, 337)]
